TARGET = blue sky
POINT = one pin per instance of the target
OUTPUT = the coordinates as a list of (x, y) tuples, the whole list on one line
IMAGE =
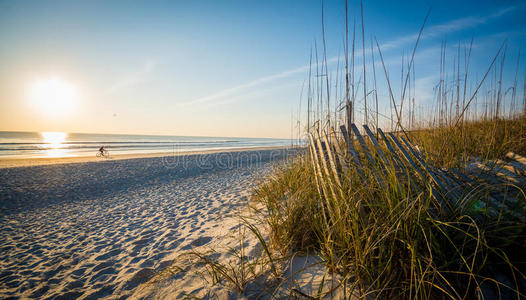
[(220, 68)]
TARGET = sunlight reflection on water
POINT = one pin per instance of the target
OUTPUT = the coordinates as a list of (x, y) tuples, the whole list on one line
[(53, 141)]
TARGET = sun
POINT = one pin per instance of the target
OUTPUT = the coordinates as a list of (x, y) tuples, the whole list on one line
[(53, 96)]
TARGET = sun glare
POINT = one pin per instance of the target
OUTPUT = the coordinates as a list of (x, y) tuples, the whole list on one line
[(53, 96), (53, 141)]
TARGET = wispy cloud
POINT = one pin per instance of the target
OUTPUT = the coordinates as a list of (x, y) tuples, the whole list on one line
[(133, 78), (448, 27), (253, 93), (244, 86), (430, 32)]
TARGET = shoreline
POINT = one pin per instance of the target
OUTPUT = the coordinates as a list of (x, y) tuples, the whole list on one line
[(39, 161)]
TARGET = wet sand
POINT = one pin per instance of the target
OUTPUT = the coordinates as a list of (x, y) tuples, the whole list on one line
[(26, 162)]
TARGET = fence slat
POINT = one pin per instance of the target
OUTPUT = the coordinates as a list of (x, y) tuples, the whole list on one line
[(415, 166), (392, 150), (517, 158), (337, 150), (331, 160), (350, 147), (324, 162), (377, 146), (317, 172), (455, 188), (362, 143), (354, 155)]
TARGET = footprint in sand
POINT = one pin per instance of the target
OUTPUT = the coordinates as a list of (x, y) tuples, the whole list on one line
[(79, 272), (142, 241), (201, 241), (147, 264), (101, 266), (102, 292), (54, 272), (68, 296), (139, 277), (103, 274), (137, 259), (41, 291), (75, 284), (109, 254)]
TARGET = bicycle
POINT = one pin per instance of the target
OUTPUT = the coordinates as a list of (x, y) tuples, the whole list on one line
[(105, 154)]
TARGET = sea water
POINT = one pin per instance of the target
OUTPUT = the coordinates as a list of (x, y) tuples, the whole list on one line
[(61, 144)]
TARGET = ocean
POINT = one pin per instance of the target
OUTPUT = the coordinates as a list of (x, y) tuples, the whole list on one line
[(61, 144)]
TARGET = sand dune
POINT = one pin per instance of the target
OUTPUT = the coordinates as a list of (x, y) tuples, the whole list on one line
[(101, 229)]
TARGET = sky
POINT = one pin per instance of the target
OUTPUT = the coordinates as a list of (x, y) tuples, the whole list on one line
[(218, 68)]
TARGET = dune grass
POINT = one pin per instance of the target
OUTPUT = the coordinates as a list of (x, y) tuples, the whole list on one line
[(452, 146), (386, 235), (385, 230)]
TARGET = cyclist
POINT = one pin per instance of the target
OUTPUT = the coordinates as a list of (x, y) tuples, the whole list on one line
[(101, 150)]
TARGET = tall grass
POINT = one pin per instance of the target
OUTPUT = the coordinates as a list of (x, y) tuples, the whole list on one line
[(455, 146), (387, 236), (384, 228)]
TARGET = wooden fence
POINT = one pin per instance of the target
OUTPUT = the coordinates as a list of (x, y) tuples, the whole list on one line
[(333, 151)]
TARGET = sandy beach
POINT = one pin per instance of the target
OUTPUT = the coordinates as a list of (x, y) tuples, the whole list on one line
[(79, 228), (27, 162)]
